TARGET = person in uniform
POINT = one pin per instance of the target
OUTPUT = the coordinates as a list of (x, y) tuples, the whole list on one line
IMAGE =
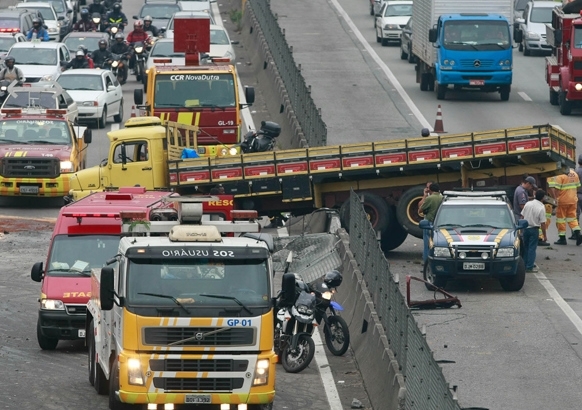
[(564, 189)]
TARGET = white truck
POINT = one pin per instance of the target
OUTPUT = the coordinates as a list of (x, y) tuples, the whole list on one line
[(463, 44)]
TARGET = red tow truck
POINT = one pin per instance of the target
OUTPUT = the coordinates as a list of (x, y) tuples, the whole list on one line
[(86, 234), (564, 66)]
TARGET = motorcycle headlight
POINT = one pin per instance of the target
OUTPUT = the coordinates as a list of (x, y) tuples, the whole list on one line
[(134, 374), (505, 252), (114, 30), (66, 166), (3, 88), (441, 252), (96, 20), (326, 295), (139, 50), (115, 64), (52, 304), (304, 310), (261, 373)]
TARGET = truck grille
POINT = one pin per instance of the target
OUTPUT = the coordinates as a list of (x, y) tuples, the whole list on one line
[(466, 63), (207, 384), (25, 167), (76, 309), (186, 365), (233, 336)]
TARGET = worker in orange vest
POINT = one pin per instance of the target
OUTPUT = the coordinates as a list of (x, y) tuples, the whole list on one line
[(564, 189)]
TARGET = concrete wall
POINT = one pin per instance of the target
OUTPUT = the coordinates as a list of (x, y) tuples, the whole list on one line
[(380, 371)]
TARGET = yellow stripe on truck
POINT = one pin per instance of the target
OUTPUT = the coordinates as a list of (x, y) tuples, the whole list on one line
[(447, 236), (500, 236), (185, 118)]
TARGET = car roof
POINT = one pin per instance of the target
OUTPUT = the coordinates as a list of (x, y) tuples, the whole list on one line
[(40, 44), (84, 71), (33, 4), (73, 34), (12, 12)]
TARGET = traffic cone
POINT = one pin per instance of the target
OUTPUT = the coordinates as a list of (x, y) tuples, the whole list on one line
[(134, 113), (438, 124)]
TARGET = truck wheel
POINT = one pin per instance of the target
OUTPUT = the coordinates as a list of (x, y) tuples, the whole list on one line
[(565, 106), (101, 122), (431, 82), (432, 279), (407, 210), (138, 96), (514, 283), (504, 91), (115, 404), (91, 354), (394, 236), (99, 380), (384, 42), (411, 58), (520, 46), (403, 54), (119, 117), (45, 343), (377, 211), (378, 39), (441, 90), (424, 77), (371, 10), (554, 97), (526, 51)]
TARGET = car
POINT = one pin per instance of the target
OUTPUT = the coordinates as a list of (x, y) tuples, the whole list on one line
[(196, 5), (62, 10), (14, 20), (49, 16), (163, 49), (475, 235), (41, 97), (40, 60), (97, 93), (406, 43), (220, 43), (88, 39), (168, 31), (533, 27), (389, 22), (7, 40), (161, 12)]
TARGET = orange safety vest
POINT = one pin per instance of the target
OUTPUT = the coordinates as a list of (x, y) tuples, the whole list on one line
[(566, 186)]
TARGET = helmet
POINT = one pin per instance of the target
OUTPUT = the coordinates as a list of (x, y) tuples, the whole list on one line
[(103, 43), (84, 13), (148, 18), (79, 53), (9, 58), (333, 279), (117, 7), (119, 36), (138, 24), (35, 21), (82, 48)]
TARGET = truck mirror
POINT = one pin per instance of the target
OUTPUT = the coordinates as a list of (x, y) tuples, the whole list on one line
[(287, 290), (88, 136), (557, 37), (138, 96), (522, 224), (106, 290), (36, 272), (250, 95), (432, 35)]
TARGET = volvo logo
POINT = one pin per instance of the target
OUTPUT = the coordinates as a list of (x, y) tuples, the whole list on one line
[(29, 167), (477, 63), (199, 336)]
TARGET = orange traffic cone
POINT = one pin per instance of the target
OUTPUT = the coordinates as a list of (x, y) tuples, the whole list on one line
[(438, 124), (134, 114)]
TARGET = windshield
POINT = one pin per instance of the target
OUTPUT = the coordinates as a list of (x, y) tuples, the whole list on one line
[(57, 5), (218, 36), (92, 43), (196, 283), (46, 13), (159, 11), (165, 49), (496, 216), (32, 99), (6, 43), (476, 35), (35, 132), (398, 10), (577, 38), (34, 56), (541, 14), (77, 255), (195, 90), (77, 82)]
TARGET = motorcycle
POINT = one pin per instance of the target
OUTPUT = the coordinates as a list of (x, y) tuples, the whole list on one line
[(335, 328), (119, 67), (4, 84), (99, 22), (294, 325), (140, 59), (113, 29), (262, 140)]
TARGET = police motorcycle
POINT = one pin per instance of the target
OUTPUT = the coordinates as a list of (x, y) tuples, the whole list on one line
[(294, 324), (262, 140)]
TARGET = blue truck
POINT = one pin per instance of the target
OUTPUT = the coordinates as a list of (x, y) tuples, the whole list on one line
[(463, 45)]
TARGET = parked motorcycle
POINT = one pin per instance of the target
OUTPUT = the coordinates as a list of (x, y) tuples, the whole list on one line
[(119, 67), (294, 324), (262, 140)]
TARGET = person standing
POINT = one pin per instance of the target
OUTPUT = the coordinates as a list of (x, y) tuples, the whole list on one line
[(579, 190), (564, 189), (521, 195), (429, 208), (534, 212)]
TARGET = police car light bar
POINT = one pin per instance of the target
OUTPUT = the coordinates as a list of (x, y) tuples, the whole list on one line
[(11, 111), (56, 112), (238, 215), (133, 215), (162, 60), (220, 60)]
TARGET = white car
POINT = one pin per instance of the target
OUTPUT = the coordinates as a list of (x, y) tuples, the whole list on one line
[(7, 40), (220, 44), (40, 60), (49, 16), (196, 5), (97, 93), (168, 32), (390, 21), (163, 49)]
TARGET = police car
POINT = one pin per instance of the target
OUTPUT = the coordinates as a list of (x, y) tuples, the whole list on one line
[(475, 235)]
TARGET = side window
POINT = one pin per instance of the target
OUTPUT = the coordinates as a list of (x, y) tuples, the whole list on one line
[(108, 81), (62, 55), (115, 82), (134, 152), (68, 100), (62, 103)]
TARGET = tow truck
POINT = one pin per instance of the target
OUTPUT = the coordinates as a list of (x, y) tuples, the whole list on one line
[(39, 152), (85, 235), (184, 315), (564, 66), (204, 92), (389, 175)]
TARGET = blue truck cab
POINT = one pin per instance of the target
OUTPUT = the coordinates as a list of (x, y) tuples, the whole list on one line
[(475, 235), (474, 51)]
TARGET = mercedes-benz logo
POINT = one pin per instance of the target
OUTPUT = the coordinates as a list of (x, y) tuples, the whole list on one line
[(199, 336), (477, 63), (29, 167)]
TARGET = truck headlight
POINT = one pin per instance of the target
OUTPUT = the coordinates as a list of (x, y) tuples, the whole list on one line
[(532, 35), (391, 27), (505, 252), (261, 373), (578, 86), (134, 375), (441, 252), (52, 304), (66, 166)]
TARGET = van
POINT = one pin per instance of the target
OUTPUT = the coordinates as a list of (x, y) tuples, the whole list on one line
[(531, 27)]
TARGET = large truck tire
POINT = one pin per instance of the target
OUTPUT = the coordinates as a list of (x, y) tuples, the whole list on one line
[(407, 210), (394, 236), (379, 213)]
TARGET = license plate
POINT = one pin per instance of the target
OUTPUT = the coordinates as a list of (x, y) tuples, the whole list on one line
[(28, 189), (476, 82), (473, 266), (82, 333), (198, 399)]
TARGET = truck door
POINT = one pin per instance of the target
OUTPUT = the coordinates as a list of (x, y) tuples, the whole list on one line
[(131, 165)]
